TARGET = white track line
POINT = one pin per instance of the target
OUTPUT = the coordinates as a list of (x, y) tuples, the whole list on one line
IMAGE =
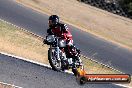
[(42, 63), (45, 65), (31, 61), (13, 86), (123, 85), (25, 59)]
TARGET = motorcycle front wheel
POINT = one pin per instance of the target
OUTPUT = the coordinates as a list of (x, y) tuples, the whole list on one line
[(54, 62)]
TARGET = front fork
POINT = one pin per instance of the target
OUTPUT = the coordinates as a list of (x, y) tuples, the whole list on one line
[(57, 50), (58, 53)]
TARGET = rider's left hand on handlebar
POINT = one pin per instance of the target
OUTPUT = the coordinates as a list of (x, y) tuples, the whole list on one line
[(44, 41)]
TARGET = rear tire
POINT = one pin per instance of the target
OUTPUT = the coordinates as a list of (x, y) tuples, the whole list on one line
[(51, 62), (82, 80)]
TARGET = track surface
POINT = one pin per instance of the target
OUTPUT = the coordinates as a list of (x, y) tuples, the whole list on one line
[(29, 75), (91, 46)]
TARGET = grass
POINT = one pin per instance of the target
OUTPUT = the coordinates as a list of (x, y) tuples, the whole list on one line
[(20, 43), (98, 22)]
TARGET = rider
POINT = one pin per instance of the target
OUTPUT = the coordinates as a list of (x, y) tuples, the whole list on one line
[(61, 30)]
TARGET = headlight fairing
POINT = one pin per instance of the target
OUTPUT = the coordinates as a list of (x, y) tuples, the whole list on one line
[(50, 38)]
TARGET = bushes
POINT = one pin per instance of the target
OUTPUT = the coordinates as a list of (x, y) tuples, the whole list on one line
[(120, 7), (127, 6)]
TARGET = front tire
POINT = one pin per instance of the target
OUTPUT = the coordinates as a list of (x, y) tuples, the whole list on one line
[(53, 64)]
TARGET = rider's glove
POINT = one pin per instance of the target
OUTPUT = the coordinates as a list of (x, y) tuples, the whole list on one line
[(44, 41)]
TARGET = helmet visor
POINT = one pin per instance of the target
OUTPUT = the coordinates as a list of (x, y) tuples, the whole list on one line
[(50, 22)]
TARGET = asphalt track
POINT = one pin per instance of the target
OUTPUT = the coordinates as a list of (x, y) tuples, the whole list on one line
[(91, 46), (28, 75)]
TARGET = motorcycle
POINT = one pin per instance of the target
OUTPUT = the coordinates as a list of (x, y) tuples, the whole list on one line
[(58, 57)]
